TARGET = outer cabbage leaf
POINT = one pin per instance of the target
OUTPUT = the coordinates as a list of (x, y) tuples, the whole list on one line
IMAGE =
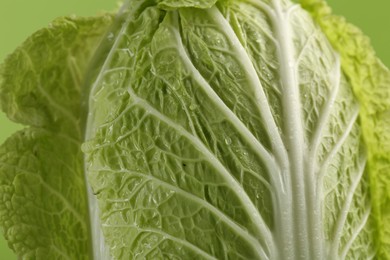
[(43, 207), (370, 80), (227, 133)]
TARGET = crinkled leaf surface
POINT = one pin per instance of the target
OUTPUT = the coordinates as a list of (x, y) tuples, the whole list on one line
[(43, 206), (227, 132), (371, 83), (215, 130)]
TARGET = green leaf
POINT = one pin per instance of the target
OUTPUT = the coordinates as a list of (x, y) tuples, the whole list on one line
[(213, 130), (370, 80), (230, 132), (44, 208)]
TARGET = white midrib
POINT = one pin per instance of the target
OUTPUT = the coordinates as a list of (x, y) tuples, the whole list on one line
[(300, 246), (282, 199)]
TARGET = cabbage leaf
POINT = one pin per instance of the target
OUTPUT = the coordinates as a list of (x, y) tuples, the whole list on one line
[(198, 130), (43, 207)]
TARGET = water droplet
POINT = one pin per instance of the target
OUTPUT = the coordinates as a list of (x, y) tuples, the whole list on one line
[(129, 53), (110, 130), (193, 106), (228, 141), (175, 86), (110, 36)]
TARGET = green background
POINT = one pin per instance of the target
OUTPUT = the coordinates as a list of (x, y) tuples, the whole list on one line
[(20, 18)]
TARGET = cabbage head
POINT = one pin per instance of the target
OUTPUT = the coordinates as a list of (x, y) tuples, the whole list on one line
[(197, 129)]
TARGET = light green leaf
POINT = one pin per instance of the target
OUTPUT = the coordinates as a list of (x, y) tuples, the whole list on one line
[(370, 80), (44, 205)]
